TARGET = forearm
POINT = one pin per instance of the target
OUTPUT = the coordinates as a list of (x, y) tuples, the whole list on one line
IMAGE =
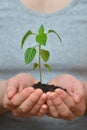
[(2, 91)]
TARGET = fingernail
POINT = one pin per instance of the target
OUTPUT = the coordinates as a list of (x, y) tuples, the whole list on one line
[(44, 106)]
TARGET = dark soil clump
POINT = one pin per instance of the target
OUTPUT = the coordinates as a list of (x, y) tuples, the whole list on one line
[(46, 87)]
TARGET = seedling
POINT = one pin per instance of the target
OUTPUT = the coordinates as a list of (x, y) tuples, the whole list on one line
[(41, 40)]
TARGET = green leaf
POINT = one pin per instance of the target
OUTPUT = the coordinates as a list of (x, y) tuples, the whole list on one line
[(41, 29), (41, 38), (45, 54), (48, 67), (29, 55), (53, 31), (35, 66), (26, 35)]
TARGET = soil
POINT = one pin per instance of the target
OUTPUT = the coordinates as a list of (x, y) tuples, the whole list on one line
[(46, 88)]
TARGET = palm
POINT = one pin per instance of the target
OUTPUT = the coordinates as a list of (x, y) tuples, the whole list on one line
[(67, 81)]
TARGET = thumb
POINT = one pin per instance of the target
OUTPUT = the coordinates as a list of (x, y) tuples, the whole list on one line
[(12, 88), (78, 94), (77, 97)]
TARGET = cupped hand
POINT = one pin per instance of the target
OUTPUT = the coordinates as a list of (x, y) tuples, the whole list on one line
[(22, 99), (32, 105), (70, 104)]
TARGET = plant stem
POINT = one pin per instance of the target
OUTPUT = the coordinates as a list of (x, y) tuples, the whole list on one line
[(35, 46), (40, 71)]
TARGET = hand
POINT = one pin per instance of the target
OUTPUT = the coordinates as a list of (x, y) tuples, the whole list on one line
[(21, 98), (32, 105), (66, 105)]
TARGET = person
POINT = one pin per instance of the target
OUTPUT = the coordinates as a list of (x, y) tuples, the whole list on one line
[(21, 105)]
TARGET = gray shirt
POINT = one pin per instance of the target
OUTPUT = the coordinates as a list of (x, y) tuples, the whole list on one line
[(68, 57)]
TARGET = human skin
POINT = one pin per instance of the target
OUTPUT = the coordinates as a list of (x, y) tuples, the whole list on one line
[(23, 100), (45, 6), (67, 105)]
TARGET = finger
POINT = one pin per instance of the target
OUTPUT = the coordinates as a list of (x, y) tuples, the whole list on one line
[(43, 110), (16, 112), (31, 100), (12, 88), (67, 99), (37, 106), (78, 96), (21, 96), (6, 103), (78, 91), (52, 109), (76, 108), (61, 107)]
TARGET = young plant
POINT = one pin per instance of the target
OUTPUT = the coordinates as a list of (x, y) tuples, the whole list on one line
[(41, 40)]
